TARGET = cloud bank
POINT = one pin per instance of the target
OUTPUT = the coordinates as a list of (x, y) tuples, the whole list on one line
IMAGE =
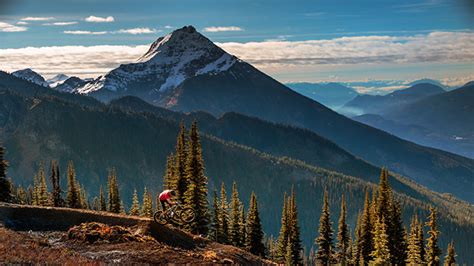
[(84, 32), (95, 19), (61, 23), (271, 56), (37, 18), (7, 27), (223, 29)]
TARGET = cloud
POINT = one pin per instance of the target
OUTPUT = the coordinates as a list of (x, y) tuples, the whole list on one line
[(22, 23), (432, 47), (7, 27), (168, 27), (135, 31), (222, 29), (62, 23), (286, 59), (37, 18), (100, 19), (84, 32)]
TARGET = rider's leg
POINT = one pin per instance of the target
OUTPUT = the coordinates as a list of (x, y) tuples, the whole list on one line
[(163, 205)]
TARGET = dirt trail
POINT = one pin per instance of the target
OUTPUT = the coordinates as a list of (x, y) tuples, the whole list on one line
[(29, 230)]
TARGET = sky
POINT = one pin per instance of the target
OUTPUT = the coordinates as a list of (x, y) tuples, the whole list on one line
[(312, 41)]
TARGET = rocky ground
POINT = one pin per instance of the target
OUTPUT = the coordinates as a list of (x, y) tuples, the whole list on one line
[(94, 243)]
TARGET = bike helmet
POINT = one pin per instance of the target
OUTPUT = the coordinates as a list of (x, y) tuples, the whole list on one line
[(173, 193)]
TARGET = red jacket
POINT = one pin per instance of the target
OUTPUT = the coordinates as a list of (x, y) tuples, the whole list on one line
[(165, 195)]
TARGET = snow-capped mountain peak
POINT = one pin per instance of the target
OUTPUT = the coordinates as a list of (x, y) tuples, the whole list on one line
[(170, 60), (57, 80), (31, 76)]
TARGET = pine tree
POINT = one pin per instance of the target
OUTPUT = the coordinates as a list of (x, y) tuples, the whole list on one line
[(72, 192), (103, 205), (196, 194), (357, 243), (433, 252), (83, 197), (22, 196), (182, 179), (43, 195), (325, 238), (294, 241), (56, 199), (223, 217), (421, 242), (95, 204), (243, 226), (169, 181), (398, 239), (234, 228), (147, 206), (135, 209), (35, 190), (450, 258), (5, 185), (414, 251), (122, 208), (113, 195), (214, 229), (283, 236), (366, 238), (254, 238), (381, 253), (342, 235)]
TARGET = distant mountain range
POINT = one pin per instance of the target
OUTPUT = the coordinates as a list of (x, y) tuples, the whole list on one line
[(184, 71), (332, 95), (378, 104)]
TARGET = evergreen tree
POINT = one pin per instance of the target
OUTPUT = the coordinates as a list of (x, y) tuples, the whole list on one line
[(83, 197), (196, 194), (398, 239), (35, 190), (342, 235), (243, 226), (223, 217), (95, 204), (357, 243), (73, 200), (103, 205), (113, 196), (365, 242), (182, 178), (294, 241), (325, 238), (43, 195), (169, 181), (214, 229), (254, 238), (22, 196), (450, 258), (147, 207), (122, 208), (421, 241), (135, 209), (283, 236), (433, 252), (414, 251), (381, 254), (5, 185), (234, 228), (56, 199)]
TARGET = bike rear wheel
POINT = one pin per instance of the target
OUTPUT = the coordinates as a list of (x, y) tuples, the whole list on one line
[(187, 215), (160, 217)]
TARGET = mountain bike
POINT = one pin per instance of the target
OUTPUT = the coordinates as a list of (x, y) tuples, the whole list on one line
[(176, 214)]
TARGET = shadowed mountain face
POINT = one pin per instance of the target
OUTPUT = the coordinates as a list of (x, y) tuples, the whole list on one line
[(380, 105), (184, 71)]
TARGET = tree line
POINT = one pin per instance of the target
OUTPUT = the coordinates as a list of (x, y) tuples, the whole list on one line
[(380, 237)]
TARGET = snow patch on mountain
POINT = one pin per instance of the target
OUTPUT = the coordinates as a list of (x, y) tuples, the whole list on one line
[(31, 76), (57, 80), (225, 62)]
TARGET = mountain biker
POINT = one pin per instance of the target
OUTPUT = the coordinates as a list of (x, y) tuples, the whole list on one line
[(165, 198)]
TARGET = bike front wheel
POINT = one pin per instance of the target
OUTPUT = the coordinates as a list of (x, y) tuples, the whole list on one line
[(187, 215), (160, 217)]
